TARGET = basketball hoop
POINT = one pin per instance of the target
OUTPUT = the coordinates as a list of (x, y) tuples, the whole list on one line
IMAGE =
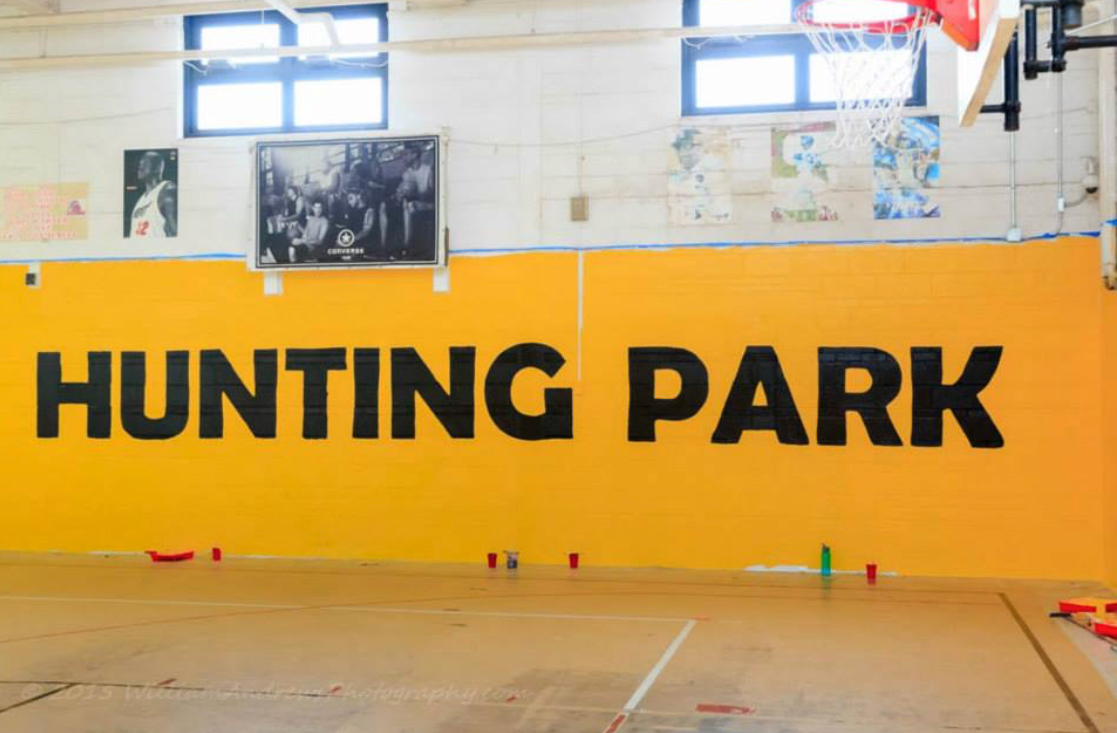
[(872, 64)]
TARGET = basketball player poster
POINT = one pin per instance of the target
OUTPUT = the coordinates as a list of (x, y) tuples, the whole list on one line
[(151, 193), (349, 203)]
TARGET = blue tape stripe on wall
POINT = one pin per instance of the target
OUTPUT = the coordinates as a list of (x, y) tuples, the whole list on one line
[(226, 256)]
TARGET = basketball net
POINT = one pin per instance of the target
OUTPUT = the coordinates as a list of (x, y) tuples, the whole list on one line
[(872, 64)]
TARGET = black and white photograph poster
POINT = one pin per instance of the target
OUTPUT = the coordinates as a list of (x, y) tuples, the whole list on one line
[(363, 202), (151, 193)]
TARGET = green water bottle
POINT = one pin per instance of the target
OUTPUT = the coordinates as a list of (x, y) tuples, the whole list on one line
[(826, 561)]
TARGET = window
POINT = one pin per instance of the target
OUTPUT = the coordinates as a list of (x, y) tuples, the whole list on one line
[(773, 73), (269, 94)]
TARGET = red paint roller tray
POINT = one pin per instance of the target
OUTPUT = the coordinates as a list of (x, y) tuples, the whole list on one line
[(176, 557)]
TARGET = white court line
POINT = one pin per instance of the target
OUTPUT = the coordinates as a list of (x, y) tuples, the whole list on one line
[(642, 690), (506, 614), (147, 602), (349, 609)]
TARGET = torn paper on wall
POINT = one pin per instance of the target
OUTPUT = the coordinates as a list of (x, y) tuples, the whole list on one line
[(803, 172), (698, 191), (905, 170)]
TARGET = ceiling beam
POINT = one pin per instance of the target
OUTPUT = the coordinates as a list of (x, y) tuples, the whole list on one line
[(34, 7), (151, 12), (45, 13), (431, 45)]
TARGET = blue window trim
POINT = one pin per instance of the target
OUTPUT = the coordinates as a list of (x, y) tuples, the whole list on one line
[(286, 70), (797, 45)]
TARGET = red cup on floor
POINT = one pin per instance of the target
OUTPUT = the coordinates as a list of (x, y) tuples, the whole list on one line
[(871, 572), (492, 560), (216, 554), (574, 561)]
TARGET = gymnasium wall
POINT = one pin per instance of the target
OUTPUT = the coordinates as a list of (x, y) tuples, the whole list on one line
[(1031, 508), (1109, 431), (528, 130)]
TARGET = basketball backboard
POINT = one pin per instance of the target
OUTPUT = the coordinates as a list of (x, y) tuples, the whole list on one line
[(979, 67)]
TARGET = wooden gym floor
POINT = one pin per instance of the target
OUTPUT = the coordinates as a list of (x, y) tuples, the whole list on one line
[(119, 645)]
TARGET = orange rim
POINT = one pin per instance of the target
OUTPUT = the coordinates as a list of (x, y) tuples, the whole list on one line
[(897, 27)]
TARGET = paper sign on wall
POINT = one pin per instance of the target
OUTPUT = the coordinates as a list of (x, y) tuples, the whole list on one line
[(44, 212)]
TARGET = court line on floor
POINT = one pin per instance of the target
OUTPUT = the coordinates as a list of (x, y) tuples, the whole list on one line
[(1095, 648), (511, 614), (251, 611), (165, 690), (521, 578), (350, 608), (150, 602), (1068, 693), (653, 675), (368, 608), (650, 678), (36, 698), (239, 692), (858, 727), (168, 690)]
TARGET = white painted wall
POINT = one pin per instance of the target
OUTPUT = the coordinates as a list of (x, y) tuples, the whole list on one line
[(528, 130)]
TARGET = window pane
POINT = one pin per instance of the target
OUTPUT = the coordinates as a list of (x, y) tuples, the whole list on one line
[(877, 65), (352, 30), (338, 102), (745, 82), (238, 106), (744, 12), (858, 11), (228, 37)]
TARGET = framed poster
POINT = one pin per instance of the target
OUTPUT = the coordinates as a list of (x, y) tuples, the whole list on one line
[(151, 193), (349, 203)]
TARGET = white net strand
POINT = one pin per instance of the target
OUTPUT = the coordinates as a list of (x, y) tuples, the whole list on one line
[(872, 66)]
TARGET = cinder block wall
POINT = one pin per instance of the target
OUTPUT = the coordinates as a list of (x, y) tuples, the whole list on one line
[(528, 130), (1032, 508), (557, 113)]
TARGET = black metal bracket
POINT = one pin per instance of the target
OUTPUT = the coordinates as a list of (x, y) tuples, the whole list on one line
[(1065, 15), (1011, 105)]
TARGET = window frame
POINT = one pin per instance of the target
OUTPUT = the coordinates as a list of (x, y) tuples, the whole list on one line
[(792, 44), (287, 70)]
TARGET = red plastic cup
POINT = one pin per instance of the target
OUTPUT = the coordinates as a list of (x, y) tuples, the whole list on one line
[(492, 560), (216, 553), (871, 572), (573, 561)]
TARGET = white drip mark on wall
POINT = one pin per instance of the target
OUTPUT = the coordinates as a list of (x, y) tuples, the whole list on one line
[(581, 306), (273, 283), (441, 282)]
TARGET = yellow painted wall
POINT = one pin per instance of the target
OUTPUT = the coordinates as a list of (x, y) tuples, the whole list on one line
[(1109, 432), (681, 501)]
